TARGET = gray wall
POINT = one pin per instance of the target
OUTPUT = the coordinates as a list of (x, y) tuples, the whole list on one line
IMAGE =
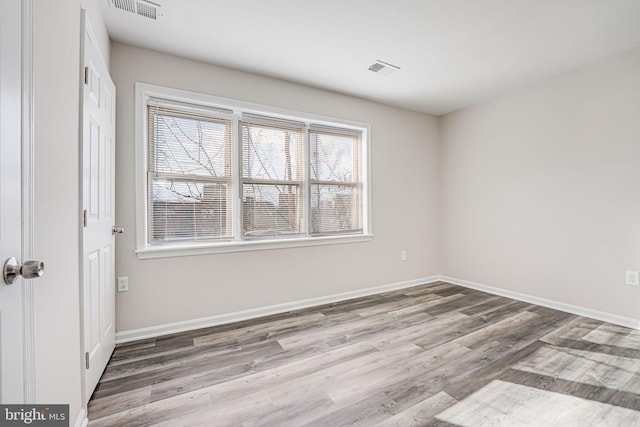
[(96, 21), (533, 192), (541, 188), (405, 184)]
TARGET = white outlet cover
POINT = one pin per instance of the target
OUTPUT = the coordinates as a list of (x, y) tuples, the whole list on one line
[(632, 278), (123, 284)]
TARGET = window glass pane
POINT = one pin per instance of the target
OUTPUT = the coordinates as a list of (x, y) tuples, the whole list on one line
[(196, 145), (185, 144), (336, 209), (269, 210), (273, 153), (336, 190), (334, 157), (188, 210)]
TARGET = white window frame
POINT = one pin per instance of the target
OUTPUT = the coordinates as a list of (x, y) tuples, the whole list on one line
[(144, 91)]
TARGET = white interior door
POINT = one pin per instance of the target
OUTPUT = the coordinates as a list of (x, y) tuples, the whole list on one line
[(98, 152), (11, 300)]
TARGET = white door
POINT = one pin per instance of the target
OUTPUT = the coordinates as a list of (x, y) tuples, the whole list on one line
[(11, 300), (98, 261)]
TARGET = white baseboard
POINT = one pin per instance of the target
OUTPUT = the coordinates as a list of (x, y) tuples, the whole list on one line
[(221, 319), (205, 322), (569, 308), (82, 420)]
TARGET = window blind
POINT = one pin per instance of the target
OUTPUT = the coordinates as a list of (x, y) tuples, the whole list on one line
[(272, 178), (336, 180), (189, 173)]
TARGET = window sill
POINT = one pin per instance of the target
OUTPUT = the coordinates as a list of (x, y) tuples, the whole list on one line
[(245, 246)]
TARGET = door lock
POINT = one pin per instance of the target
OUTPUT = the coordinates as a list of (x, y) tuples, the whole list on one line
[(117, 230), (29, 270)]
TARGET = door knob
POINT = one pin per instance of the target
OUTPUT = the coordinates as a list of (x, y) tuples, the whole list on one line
[(29, 270), (117, 230)]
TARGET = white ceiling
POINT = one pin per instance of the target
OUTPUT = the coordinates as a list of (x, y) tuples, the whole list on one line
[(452, 53)]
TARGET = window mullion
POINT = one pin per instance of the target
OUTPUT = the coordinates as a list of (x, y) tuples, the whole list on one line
[(306, 187), (269, 181), (187, 177), (236, 176)]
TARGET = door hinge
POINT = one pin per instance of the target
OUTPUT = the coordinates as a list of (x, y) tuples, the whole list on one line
[(86, 75), (84, 217), (86, 359)]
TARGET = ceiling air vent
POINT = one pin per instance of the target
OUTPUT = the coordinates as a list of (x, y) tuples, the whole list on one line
[(383, 68), (140, 7)]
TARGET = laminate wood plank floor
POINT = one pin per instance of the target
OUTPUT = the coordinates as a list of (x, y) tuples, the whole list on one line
[(432, 355)]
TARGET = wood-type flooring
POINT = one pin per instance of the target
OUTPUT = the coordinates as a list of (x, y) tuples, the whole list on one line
[(432, 355)]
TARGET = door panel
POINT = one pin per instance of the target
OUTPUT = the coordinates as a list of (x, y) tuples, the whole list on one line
[(91, 300), (94, 169), (11, 297), (98, 152)]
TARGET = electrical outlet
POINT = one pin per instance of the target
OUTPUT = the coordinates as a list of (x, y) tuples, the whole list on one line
[(632, 278), (123, 284), (403, 255)]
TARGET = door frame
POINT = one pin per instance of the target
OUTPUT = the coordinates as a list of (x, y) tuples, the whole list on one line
[(28, 194)]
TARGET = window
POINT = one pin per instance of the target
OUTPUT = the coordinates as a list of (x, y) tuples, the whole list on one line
[(272, 178), (218, 175), (189, 174), (336, 185)]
